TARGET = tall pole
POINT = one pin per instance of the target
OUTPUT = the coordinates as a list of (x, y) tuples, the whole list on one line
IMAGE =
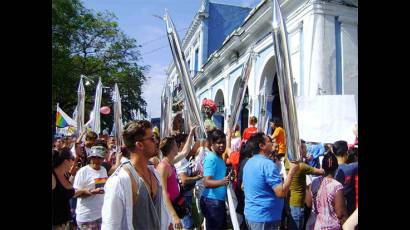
[(284, 74)]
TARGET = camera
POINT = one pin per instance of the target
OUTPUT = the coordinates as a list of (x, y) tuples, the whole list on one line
[(230, 173)]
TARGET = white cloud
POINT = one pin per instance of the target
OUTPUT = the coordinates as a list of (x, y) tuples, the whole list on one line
[(152, 89)]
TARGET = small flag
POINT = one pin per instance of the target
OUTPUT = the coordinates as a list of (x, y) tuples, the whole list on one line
[(100, 182), (63, 120), (60, 121)]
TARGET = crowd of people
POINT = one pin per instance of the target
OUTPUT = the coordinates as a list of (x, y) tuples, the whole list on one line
[(181, 181)]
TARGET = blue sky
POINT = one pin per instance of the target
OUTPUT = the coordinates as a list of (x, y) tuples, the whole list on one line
[(136, 20)]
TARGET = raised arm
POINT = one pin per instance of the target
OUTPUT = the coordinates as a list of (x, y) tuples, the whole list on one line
[(229, 142), (185, 151), (81, 136)]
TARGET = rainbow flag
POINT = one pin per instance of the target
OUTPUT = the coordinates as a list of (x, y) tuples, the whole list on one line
[(60, 121), (63, 120), (100, 182)]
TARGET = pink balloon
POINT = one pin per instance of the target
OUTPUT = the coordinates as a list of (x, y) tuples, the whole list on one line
[(105, 110)]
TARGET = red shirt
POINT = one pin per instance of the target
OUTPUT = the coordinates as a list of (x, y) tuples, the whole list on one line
[(234, 161), (357, 190), (247, 133)]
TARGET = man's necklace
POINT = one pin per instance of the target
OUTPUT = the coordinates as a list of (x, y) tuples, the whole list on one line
[(151, 192)]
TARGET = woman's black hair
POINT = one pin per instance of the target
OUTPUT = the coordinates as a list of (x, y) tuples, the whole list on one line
[(276, 120), (247, 150), (59, 156), (329, 164)]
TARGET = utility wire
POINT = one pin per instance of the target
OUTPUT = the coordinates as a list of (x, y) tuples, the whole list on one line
[(155, 50), (161, 37), (156, 39)]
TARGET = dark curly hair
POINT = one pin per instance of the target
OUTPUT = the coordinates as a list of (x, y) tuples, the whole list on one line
[(340, 148), (256, 139), (215, 135)]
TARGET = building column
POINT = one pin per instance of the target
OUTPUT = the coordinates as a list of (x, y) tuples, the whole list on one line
[(320, 55), (349, 57)]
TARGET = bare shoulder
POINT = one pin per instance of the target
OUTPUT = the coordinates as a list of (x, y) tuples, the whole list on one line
[(161, 168)]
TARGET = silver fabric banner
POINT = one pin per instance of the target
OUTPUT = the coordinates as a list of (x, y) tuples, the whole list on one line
[(117, 118), (96, 124), (166, 111), (262, 107), (237, 107), (169, 120), (183, 75), (163, 114), (187, 119), (284, 73), (80, 107)]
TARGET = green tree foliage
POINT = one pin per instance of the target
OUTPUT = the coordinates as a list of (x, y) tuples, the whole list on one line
[(90, 43)]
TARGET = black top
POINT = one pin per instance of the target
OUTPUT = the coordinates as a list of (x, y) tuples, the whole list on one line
[(238, 192), (61, 206)]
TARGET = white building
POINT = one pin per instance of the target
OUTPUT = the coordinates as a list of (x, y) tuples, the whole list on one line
[(323, 47)]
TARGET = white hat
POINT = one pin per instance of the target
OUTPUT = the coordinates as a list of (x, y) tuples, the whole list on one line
[(97, 151)]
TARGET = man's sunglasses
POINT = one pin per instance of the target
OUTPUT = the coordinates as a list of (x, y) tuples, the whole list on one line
[(152, 138)]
